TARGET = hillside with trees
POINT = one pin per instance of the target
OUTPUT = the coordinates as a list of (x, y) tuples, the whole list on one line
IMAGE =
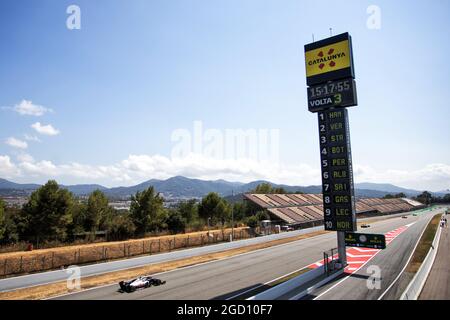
[(53, 215)]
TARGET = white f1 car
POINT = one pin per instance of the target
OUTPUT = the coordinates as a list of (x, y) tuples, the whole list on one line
[(139, 283)]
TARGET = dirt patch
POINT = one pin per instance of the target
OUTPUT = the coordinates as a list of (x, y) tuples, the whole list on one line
[(49, 290)]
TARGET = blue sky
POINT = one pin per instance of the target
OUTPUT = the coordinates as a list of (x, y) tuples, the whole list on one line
[(115, 91)]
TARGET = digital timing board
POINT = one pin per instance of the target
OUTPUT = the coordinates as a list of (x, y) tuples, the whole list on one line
[(341, 93), (331, 88), (337, 173)]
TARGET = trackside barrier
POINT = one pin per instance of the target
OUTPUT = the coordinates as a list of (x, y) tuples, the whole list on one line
[(317, 285), (288, 286), (285, 287), (415, 287)]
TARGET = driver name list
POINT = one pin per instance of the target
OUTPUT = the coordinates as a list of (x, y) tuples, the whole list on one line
[(337, 175)]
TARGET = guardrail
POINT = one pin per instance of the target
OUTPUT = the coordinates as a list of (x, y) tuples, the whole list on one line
[(285, 287), (294, 283), (317, 285), (415, 287)]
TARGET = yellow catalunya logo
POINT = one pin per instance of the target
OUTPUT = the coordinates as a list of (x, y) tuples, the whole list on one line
[(329, 58)]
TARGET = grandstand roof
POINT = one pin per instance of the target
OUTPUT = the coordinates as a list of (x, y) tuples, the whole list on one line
[(302, 208)]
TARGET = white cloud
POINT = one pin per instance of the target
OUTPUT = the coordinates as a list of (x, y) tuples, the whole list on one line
[(16, 143), (24, 157), (138, 168), (26, 107), (435, 177), (7, 168), (39, 168), (31, 138), (199, 166), (45, 129)]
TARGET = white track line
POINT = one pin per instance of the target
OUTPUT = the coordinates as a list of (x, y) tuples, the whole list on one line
[(365, 250)]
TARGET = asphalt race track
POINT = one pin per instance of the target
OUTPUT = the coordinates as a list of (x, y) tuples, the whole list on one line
[(105, 267), (225, 278), (391, 261)]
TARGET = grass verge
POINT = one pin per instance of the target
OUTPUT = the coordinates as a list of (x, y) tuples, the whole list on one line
[(424, 245), (421, 251)]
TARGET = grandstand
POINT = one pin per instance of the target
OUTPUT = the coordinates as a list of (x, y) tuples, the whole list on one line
[(305, 210)]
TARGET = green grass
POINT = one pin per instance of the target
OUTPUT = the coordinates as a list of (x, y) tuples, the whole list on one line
[(424, 244)]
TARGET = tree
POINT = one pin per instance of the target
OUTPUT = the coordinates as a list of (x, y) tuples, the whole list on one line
[(8, 226), (188, 210), (223, 212), (262, 215), (213, 206), (446, 198), (252, 222), (263, 188), (120, 226), (394, 196), (239, 210), (47, 214), (208, 205), (97, 211), (78, 213), (175, 222), (267, 188), (147, 211), (279, 190), (425, 197)]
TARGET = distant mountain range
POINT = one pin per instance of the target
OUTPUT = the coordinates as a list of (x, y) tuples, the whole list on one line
[(182, 187), (5, 184)]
